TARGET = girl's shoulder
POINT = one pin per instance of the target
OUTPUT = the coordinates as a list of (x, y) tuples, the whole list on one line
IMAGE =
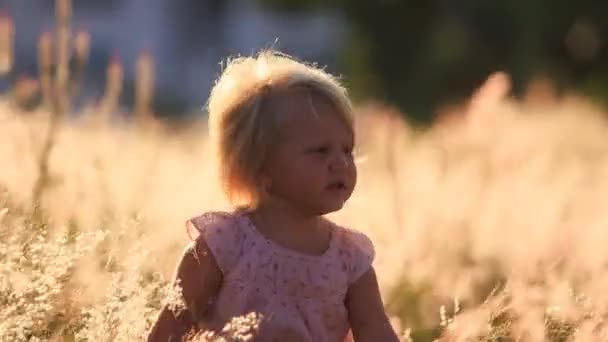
[(222, 234), (210, 220), (355, 249)]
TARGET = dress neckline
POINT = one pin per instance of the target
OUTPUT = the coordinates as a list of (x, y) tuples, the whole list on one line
[(288, 251)]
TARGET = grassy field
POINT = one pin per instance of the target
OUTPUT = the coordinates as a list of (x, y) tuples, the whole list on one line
[(489, 225)]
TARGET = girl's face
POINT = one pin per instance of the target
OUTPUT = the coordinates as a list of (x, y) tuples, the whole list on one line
[(311, 168)]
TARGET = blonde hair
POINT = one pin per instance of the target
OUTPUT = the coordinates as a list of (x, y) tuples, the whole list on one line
[(241, 123)]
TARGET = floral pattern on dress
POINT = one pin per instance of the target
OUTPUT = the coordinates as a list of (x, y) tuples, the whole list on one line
[(301, 296)]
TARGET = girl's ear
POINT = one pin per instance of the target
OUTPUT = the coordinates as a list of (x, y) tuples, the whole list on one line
[(265, 183)]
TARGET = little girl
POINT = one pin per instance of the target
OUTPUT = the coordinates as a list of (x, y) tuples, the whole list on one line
[(284, 136)]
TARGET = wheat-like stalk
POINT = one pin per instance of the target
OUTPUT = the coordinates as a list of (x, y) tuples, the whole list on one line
[(7, 35)]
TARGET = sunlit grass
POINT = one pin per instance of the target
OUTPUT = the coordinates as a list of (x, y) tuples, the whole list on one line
[(498, 208)]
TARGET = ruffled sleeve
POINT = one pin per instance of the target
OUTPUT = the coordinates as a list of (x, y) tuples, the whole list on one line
[(359, 254), (220, 232)]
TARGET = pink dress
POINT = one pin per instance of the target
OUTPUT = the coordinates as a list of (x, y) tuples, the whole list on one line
[(300, 296)]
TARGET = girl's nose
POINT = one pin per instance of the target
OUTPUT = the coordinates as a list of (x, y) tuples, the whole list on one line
[(339, 162)]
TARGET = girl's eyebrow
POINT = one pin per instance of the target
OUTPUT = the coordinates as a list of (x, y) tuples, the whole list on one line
[(312, 144)]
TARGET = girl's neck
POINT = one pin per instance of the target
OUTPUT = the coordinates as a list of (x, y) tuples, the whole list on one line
[(275, 216)]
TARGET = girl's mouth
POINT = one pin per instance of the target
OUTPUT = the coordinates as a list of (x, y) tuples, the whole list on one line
[(336, 186)]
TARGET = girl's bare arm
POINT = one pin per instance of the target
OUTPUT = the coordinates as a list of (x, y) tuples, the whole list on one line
[(368, 319), (200, 279)]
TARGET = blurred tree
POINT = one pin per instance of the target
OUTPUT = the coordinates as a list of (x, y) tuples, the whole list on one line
[(205, 19), (418, 54)]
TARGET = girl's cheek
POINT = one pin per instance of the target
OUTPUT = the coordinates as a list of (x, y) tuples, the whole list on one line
[(353, 166)]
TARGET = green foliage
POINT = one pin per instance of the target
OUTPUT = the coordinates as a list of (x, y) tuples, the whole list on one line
[(405, 301), (428, 52)]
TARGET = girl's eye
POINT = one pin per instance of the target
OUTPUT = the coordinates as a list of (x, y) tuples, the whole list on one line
[(320, 149)]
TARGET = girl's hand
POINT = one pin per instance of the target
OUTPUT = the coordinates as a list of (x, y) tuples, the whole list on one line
[(200, 279), (367, 317)]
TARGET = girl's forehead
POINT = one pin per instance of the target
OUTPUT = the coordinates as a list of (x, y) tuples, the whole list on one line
[(306, 124), (311, 130), (306, 110)]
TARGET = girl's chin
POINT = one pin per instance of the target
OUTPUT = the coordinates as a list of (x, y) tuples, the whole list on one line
[(331, 207), (323, 206)]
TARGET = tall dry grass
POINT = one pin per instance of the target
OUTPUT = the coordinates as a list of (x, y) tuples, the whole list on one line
[(496, 213)]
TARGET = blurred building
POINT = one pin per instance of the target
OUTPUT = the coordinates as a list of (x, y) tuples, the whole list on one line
[(188, 38)]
